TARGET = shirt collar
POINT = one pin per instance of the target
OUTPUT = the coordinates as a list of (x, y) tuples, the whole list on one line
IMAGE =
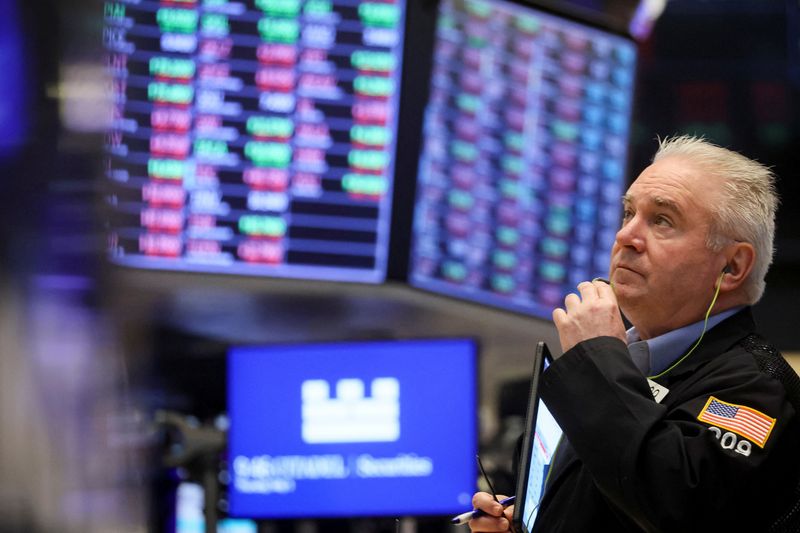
[(653, 356)]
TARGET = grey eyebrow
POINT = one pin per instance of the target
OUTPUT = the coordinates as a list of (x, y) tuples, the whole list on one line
[(659, 201)]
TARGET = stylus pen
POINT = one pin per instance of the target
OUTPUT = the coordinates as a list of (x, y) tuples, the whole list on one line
[(463, 518)]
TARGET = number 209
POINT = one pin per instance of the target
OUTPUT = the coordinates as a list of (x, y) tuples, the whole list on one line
[(730, 441)]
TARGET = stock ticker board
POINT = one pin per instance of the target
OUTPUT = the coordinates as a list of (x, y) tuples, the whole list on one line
[(524, 155), (253, 137)]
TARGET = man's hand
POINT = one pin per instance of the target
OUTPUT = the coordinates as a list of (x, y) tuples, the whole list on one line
[(594, 314), (496, 518)]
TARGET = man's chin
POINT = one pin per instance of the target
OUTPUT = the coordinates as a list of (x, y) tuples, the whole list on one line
[(626, 275), (628, 294)]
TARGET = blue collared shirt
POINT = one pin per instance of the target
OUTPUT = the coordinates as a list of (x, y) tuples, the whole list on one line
[(653, 356)]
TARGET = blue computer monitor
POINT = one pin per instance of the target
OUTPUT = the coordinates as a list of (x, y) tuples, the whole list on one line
[(352, 429), (14, 85)]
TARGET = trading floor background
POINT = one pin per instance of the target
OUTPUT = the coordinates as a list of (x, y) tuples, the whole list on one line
[(113, 379)]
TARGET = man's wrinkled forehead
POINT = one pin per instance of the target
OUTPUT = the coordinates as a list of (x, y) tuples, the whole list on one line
[(679, 182), (662, 202), (672, 185)]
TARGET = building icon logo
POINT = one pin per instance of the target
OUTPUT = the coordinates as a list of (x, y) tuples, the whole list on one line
[(351, 416)]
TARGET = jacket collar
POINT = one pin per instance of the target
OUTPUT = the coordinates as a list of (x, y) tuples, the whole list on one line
[(716, 341)]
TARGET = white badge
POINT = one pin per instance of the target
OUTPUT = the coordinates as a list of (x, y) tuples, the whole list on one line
[(659, 391)]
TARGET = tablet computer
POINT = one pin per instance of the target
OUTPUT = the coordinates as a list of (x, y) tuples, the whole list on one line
[(542, 434)]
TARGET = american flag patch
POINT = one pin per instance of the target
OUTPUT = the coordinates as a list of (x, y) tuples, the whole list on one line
[(742, 420)]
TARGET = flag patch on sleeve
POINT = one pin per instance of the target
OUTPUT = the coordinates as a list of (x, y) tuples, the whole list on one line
[(742, 420)]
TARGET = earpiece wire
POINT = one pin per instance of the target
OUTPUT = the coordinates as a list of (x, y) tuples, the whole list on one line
[(702, 334)]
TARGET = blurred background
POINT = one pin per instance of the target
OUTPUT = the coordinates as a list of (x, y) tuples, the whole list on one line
[(115, 382)]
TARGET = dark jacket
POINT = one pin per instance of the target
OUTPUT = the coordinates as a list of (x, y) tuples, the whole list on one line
[(628, 463)]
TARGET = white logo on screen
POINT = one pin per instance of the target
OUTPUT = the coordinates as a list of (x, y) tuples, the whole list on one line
[(351, 416)]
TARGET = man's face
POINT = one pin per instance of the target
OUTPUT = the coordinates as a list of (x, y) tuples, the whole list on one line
[(663, 273)]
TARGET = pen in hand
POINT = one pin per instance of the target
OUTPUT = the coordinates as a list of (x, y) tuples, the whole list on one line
[(463, 518)]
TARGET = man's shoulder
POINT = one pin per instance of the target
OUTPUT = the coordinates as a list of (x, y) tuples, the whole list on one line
[(769, 360)]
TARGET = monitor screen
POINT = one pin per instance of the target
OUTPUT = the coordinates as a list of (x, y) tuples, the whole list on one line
[(15, 83), (524, 155), (543, 444), (352, 429), (253, 138)]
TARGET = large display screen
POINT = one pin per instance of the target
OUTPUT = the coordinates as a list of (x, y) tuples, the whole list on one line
[(254, 137), (524, 155), (352, 429)]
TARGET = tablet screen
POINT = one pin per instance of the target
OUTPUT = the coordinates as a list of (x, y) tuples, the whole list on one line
[(539, 446)]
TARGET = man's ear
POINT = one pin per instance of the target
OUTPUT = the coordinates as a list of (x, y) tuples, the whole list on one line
[(741, 258)]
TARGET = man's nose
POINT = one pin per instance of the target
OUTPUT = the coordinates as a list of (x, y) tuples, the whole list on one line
[(631, 234)]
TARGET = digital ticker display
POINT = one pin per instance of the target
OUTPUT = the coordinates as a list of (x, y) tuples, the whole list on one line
[(253, 137), (524, 155)]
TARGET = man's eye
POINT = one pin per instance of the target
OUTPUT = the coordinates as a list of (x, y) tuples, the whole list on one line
[(627, 214), (663, 221)]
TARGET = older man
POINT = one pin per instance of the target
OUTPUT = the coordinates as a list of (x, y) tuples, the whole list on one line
[(687, 421)]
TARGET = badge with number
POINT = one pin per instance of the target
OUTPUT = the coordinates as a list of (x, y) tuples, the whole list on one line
[(659, 391)]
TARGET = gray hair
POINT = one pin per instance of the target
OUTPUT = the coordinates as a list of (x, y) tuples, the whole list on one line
[(747, 209)]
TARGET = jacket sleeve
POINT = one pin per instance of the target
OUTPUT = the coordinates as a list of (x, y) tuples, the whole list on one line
[(662, 466)]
